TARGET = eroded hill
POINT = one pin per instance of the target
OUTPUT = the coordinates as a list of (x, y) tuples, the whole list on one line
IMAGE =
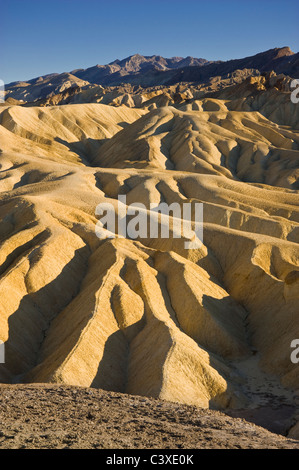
[(210, 327)]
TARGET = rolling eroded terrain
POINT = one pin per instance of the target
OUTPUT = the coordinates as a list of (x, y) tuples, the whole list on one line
[(210, 327)]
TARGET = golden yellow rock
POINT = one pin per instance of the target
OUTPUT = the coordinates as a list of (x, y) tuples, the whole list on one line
[(147, 316)]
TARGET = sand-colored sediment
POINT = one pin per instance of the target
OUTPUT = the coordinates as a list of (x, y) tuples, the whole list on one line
[(147, 316)]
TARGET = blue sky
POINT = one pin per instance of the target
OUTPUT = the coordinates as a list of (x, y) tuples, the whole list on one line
[(39, 36)]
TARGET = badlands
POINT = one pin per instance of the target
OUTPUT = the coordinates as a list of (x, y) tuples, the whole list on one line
[(211, 327)]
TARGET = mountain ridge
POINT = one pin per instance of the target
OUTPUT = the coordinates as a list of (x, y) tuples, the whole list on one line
[(152, 71), (137, 62)]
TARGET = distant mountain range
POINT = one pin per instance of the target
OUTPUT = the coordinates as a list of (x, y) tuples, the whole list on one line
[(135, 66), (148, 71), (155, 70)]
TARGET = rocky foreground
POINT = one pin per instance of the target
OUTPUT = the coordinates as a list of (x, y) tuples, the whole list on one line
[(54, 416)]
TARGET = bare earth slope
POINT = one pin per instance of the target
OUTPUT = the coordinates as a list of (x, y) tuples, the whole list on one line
[(55, 417), (210, 327)]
